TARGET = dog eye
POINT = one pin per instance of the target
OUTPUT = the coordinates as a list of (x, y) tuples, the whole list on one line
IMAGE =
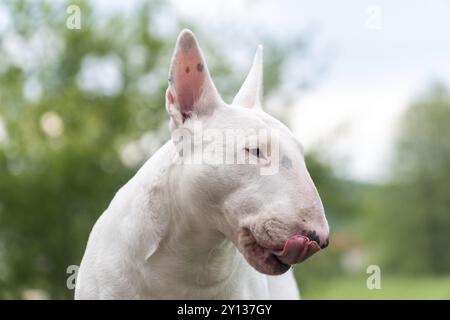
[(254, 151)]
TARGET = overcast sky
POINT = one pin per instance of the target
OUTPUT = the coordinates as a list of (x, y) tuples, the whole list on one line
[(386, 54)]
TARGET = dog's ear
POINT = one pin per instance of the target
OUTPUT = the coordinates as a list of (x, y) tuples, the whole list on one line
[(191, 90), (250, 94)]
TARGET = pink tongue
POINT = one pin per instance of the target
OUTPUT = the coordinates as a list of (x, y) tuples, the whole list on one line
[(297, 249)]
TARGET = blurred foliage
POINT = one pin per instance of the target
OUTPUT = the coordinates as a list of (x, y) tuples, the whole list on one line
[(61, 164), (80, 110), (408, 219)]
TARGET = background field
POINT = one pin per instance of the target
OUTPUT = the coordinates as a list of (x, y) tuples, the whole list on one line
[(392, 288)]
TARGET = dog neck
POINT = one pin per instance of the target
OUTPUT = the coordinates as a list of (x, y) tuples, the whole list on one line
[(190, 252)]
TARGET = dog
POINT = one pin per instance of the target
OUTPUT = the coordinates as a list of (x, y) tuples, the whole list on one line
[(187, 229)]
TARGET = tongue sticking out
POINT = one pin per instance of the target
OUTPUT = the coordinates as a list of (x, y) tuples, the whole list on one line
[(296, 249)]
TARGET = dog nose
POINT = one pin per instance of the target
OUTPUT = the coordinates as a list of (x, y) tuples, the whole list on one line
[(326, 243), (313, 236)]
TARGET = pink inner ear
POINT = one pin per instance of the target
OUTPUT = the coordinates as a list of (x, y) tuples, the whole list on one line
[(187, 74), (188, 78)]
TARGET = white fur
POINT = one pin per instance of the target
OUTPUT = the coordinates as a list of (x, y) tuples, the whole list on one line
[(121, 262), (175, 230)]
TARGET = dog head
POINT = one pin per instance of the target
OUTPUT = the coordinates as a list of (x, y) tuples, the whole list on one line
[(242, 170)]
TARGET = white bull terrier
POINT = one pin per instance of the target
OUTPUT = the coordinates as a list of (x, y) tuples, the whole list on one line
[(209, 230)]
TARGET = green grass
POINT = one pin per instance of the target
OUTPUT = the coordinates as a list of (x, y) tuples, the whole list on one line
[(391, 288)]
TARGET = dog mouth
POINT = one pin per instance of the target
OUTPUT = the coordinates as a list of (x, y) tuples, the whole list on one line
[(276, 259)]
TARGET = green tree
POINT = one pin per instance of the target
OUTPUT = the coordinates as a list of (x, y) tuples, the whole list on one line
[(61, 163), (410, 217)]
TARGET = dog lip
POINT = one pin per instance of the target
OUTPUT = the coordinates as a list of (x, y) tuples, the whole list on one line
[(278, 258), (260, 256), (280, 266)]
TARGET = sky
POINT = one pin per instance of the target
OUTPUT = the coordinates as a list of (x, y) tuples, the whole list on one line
[(385, 54)]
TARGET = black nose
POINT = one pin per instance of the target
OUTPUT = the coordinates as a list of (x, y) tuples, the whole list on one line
[(326, 243), (312, 235)]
